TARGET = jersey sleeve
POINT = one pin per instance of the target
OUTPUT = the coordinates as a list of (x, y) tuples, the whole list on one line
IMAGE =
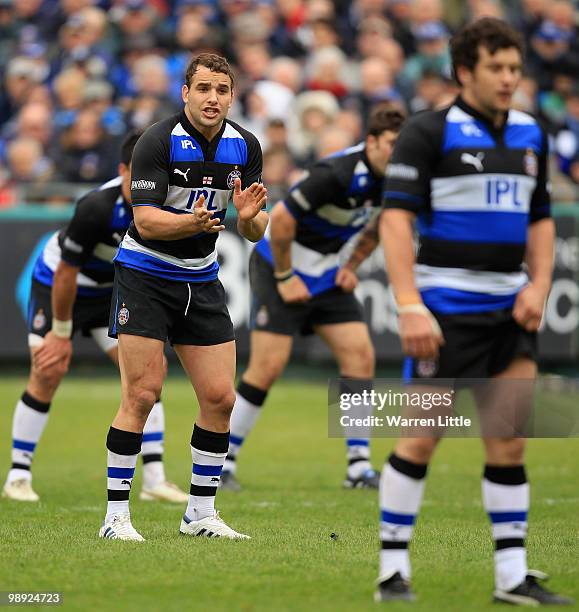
[(150, 168), (254, 165), (83, 232), (408, 174), (540, 207), (314, 190)]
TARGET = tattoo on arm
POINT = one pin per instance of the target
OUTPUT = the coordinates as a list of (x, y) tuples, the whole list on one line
[(366, 244)]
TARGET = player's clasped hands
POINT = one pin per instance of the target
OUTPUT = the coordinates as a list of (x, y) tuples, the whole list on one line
[(293, 290), (204, 219)]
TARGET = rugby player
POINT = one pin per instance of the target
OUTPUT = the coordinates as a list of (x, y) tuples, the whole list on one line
[(71, 291), (185, 170), (474, 176), (302, 279)]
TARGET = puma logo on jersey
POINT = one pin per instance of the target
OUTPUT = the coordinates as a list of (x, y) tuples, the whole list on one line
[(183, 174), (126, 482), (475, 160)]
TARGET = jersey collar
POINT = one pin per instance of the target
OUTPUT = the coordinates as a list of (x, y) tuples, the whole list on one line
[(208, 148), (480, 117)]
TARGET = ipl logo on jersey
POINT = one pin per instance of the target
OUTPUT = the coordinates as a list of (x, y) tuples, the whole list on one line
[(123, 315), (234, 174), (531, 163)]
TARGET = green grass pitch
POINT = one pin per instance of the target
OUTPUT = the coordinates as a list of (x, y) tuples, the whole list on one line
[(291, 503)]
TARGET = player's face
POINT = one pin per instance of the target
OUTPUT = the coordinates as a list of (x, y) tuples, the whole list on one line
[(492, 83), (207, 100), (379, 149)]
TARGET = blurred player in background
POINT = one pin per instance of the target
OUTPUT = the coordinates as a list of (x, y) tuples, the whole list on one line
[(71, 291), (302, 281), (185, 171), (475, 176)]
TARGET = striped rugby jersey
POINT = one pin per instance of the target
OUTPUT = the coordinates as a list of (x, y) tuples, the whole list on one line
[(173, 164), (335, 199), (90, 241), (475, 190)]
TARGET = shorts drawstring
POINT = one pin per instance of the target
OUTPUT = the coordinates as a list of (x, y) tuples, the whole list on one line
[(189, 300)]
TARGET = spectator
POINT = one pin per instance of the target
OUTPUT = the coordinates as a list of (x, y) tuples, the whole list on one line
[(432, 90), (327, 70), (314, 112), (371, 34), (351, 122), (376, 85), (26, 161), (133, 49), (332, 140), (82, 45), (276, 135), (36, 16), (22, 75), (286, 71), (8, 31), (98, 97), (527, 15), (432, 51), (35, 121), (69, 89), (86, 154), (122, 61), (550, 44)]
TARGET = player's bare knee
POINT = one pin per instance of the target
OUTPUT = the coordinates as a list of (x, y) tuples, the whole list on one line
[(417, 450), (49, 378), (219, 402), (359, 361), (264, 374), (509, 451), (141, 399)]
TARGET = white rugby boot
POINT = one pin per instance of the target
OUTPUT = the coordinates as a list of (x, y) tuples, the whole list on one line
[(119, 527), (210, 527), (20, 490)]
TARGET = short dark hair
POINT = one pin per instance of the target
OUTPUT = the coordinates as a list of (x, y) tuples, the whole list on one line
[(215, 63), (489, 32), (385, 117), (128, 144)]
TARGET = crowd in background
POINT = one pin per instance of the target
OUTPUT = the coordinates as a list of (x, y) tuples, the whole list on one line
[(77, 74)]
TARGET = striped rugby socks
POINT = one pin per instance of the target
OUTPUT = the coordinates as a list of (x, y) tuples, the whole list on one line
[(30, 417), (123, 451), (505, 493), (208, 450), (357, 438), (152, 447), (247, 408), (401, 490)]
